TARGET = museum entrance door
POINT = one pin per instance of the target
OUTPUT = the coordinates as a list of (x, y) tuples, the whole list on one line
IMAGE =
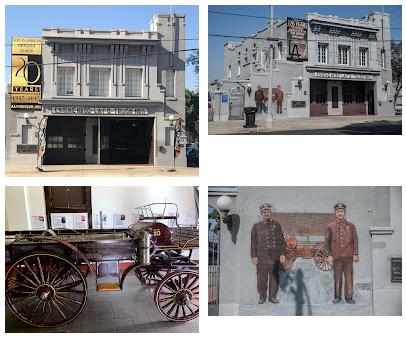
[(126, 141), (65, 141), (318, 98), (236, 105)]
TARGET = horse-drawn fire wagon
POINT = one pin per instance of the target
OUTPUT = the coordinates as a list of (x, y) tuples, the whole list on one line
[(306, 250), (46, 271)]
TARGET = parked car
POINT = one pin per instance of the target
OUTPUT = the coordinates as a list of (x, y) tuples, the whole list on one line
[(398, 107), (192, 154)]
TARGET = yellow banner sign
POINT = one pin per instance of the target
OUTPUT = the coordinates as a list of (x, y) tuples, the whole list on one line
[(26, 73)]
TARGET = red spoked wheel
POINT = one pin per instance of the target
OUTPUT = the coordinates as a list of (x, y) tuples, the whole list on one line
[(152, 274), (320, 258), (177, 296), (45, 290)]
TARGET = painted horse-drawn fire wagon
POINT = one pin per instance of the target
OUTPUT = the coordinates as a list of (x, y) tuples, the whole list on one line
[(46, 271), (306, 250)]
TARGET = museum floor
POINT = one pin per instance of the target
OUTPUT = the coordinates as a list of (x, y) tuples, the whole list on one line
[(131, 310)]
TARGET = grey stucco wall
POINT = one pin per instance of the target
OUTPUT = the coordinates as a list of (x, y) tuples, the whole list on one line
[(366, 207)]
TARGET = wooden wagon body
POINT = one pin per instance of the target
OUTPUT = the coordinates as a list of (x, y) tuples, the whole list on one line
[(46, 271)]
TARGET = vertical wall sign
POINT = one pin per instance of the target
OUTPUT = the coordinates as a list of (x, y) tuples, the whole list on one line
[(26, 73), (297, 39)]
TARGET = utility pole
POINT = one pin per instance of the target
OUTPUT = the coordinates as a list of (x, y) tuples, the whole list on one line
[(269, 118)]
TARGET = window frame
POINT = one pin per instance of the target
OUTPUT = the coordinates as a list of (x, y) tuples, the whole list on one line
[(322, 46), (348, 54), (134, 68), (65, 69), (100, 68)]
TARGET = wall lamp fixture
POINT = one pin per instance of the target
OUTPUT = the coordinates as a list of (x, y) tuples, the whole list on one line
[(249, 89), (224, 205)]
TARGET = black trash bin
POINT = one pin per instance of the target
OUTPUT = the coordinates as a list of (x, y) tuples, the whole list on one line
[(250, 117)]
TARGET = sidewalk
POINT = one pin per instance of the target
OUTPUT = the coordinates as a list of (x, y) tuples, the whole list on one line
[(99, 170), (285, 125)]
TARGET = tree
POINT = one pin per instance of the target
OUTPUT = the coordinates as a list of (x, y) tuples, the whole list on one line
[(192, 114), (214, 215), (193, 59), (396, 53)]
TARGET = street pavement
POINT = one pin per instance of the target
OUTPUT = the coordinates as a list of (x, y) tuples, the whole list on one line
[(313, 125), (99, 170)]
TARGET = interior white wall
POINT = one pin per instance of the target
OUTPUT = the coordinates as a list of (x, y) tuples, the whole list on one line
[(116, 200), (22, 202)]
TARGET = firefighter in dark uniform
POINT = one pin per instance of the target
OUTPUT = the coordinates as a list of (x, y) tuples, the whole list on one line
[(267, 251), (342, 243)]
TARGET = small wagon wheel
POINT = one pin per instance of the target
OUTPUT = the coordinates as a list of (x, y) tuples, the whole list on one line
[(151, 274), (289, 260), (177, 296), (45, 289), (320, 258)]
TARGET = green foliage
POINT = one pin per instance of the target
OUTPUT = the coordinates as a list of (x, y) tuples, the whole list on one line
[(214, 215), (192, 111), (396, 59)]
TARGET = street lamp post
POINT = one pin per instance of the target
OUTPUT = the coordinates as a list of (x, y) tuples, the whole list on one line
[(269, 118)]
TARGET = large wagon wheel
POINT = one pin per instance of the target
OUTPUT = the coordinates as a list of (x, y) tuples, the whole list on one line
[(151, 274), (320, 258), (177, 296), (45, 289)]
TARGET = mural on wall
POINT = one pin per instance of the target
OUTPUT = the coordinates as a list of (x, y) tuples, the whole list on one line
[(261, 97), (327, 239)]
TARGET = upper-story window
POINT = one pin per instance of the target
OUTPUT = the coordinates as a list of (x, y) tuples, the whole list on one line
[(323, 53), (65, 81), (280, 50), (263, 58), (133, 82), (170, 83), (383, 58), (343, 55), (363, 57), (239, 69), (99, 82), (229, 71)]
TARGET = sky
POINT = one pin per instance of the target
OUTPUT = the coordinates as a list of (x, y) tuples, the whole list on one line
[(94, 17), (242, 26)]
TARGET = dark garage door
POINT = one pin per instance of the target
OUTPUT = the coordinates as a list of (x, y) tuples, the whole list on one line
[(65, 141), (126, 141)]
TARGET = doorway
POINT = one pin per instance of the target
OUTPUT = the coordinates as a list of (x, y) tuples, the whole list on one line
[(126, 141)]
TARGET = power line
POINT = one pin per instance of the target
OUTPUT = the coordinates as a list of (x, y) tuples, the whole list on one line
[(111, 58), (160, 40), (243, 15), (269, 18), (277, 39)]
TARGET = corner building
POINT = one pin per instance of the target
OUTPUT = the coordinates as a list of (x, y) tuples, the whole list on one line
[(346, 70), (108, 95)]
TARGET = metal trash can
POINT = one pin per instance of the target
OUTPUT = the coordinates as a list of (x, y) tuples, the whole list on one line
[(250, 117)]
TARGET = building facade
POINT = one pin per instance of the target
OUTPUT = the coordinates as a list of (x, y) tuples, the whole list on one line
[(304, 212), (346, 69), (108, 95)]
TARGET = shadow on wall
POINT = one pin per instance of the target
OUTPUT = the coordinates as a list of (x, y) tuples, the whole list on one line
[(297, 287)]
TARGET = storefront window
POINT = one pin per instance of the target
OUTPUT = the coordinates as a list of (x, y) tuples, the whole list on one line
[(65, 81), (363, 57), (170, 83), (343, 55), (133, 82), (99, 82), (323, 53)]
